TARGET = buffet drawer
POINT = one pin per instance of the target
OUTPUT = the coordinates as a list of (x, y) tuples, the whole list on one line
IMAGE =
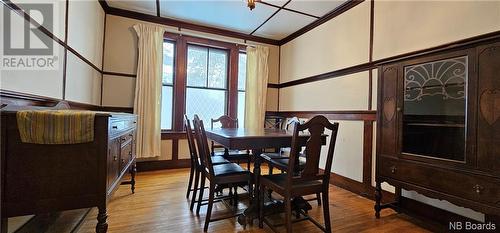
[(117, 127), (464, 185)]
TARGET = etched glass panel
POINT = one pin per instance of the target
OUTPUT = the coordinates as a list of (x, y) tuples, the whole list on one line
[(434, 109), (207, 103), (197, 60)]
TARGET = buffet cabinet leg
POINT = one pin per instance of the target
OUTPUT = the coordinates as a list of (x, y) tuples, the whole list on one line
[(102, 224), (378, 198), (133, 171)]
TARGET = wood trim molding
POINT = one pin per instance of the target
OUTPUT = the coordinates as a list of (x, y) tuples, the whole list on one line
[(332, 14), (186, 25), (331, 115), (119, 74), (155, 165)]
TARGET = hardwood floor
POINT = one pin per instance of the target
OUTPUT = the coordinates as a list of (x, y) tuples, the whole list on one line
[(160, 205)]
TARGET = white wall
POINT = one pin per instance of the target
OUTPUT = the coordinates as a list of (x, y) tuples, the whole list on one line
[(85, 35)]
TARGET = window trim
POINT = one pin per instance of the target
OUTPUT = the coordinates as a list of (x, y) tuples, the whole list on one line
[(180, 76)]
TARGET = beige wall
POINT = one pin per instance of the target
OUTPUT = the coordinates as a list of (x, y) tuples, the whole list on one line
[(399, 27), (405, 26), (338, 43), (85, 35)]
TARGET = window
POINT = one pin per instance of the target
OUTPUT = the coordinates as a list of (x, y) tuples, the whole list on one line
[(197, 78), (206, 86), (167, 85), (242, 78)]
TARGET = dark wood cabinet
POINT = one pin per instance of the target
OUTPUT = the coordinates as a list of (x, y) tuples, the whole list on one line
[(439, 127), (47, 178)]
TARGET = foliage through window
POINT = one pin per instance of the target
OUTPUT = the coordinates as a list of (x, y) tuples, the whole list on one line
[(242, 77), (206, 89), (167, 85)]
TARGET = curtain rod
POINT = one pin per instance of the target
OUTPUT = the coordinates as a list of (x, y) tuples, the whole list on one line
[(179, 31)]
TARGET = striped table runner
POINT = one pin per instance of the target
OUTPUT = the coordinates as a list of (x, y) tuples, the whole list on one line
[(56, 126)]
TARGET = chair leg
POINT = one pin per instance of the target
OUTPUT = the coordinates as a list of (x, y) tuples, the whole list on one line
[(326, 211), (195, 188), (288, 214), (318, 198), (190, 183), (270, 169), (209, 208), (261, 207), (250, 190), (200, 197), (235, 195)]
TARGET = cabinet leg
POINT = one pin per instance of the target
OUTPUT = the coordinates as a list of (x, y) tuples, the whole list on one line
[(398, 199), (133, 171), (102, 225), (378, 198)]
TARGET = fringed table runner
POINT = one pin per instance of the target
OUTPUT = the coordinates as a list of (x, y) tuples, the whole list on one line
[(56, 126)]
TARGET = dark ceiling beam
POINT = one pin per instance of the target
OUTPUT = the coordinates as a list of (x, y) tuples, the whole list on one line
[(189, 26), (332, 14), (276, 12), (289, 9), (158, 8), (104, 5)]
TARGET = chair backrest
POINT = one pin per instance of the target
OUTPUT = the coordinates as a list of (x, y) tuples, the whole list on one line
[(316, 127), (202, 142), (193, 153), (225, 121), (290, 123)]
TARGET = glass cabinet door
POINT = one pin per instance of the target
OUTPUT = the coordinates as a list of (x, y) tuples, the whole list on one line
[(434, 111)]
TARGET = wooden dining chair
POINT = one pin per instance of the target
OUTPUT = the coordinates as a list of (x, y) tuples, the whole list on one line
[(223, 174), (196, 167), (232, 155), (308, 179), (280, 160)]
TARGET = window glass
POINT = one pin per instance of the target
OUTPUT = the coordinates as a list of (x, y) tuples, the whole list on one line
[(167, 85), (197, 59), (242, 71), (217, 68), (207, 103)]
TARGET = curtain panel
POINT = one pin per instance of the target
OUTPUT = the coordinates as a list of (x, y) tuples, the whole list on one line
[(256, 86), (147, 102)]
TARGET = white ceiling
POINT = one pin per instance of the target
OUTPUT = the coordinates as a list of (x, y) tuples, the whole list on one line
[(234, 15)]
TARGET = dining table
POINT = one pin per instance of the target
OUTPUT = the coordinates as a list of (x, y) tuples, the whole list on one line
[(257, 140)]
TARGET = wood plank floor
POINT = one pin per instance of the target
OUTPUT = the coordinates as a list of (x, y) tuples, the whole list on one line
[(159, 205)]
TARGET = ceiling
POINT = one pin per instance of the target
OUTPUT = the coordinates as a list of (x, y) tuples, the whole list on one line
[(272, 19)]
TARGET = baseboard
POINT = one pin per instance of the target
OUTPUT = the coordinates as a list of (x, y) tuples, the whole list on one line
[(162, 164)]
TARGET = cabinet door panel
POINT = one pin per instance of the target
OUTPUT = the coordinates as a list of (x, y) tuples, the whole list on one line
[(388, 114), (488, 123), (113, 161)]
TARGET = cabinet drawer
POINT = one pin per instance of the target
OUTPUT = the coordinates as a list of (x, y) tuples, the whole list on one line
[(460, 184), (121, 125), (126, 155)]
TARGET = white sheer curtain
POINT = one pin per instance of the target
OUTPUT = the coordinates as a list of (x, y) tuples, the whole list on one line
[(147, 103), (256, 86)]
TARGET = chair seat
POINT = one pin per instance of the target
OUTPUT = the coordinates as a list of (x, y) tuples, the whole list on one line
[(233, 154), (280, 161), (298, 187), (216, 159), (228, 169)]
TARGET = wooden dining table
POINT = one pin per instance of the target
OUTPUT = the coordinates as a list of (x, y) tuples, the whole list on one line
[(256, 140)]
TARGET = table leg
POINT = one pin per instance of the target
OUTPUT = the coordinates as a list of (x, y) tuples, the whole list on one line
[(252, 211)]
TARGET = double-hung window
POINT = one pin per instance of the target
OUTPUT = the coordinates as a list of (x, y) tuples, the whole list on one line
[(206, 86)]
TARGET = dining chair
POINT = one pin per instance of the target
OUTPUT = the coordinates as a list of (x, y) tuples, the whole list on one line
[(306, 179), (196, 167), (223, 174), (280, 160), (228, 122)]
